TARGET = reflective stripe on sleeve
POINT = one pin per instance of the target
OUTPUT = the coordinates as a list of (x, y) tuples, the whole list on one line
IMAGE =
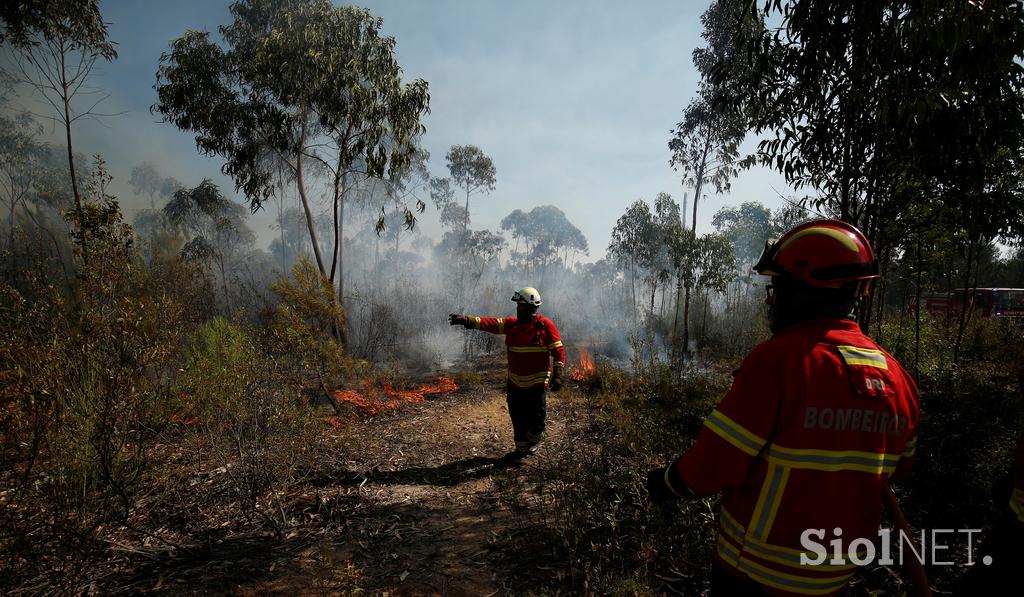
[(554, 344), (734, 433), (867, 357), (501, 325)]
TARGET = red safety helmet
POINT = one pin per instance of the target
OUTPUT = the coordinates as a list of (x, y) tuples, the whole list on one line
[(822, 253)]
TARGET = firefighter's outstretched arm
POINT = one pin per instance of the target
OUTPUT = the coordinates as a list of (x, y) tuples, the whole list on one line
[(493, 325)]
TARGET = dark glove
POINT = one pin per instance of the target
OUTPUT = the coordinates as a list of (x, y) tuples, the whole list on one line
[(658, 488), (462, 320), (556, 379)]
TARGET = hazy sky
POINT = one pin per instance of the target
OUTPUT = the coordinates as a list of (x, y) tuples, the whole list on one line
[(573, 100)]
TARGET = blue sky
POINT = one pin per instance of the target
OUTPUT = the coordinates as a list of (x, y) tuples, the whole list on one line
[(573, 100)]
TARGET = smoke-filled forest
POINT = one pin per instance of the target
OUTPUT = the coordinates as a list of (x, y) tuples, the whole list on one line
[(291, 355)]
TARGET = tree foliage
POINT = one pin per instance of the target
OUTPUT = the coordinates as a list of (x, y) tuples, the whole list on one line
[(26, 23), (298, 84), (547, 236)]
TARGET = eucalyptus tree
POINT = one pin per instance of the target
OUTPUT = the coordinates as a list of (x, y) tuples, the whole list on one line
[(472, 172), (706, 142), (57, 45), (303, 83), (22, 159), (146, 179), (633, 241), (215, 224), (942, 126), (547, 234)]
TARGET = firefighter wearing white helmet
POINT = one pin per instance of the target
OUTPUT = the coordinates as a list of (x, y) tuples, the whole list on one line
[(533, 342)]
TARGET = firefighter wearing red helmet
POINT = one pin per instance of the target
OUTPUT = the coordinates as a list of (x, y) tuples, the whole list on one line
[(818, 418), (533, 342)]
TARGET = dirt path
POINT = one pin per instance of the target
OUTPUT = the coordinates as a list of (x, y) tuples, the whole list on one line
[(423, 511)]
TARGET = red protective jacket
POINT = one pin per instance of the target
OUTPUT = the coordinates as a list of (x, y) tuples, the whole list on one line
[(817, 419), (529, 344)]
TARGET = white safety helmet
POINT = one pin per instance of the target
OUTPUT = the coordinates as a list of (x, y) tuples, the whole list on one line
[(527, 296)]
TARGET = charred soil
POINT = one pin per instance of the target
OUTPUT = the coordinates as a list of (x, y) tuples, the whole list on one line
[(405, 502)]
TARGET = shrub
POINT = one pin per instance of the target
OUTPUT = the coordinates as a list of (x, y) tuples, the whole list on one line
[(83, 387)]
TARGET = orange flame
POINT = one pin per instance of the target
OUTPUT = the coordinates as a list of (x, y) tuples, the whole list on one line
[(585, 369), (389, 398)]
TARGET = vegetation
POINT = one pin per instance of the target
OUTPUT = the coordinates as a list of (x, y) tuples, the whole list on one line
[(178, 397)]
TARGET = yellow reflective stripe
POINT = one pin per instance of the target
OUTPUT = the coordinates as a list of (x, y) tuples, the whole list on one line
[(833, 460), (1017, 504), (501, 325), (869, 357), (776, 553), (528, 378), (734, 433), (779, 580), (911, 448), (842, 237), (807, 585), (559, 364), (527, 349), (768, 501), (555, 345)]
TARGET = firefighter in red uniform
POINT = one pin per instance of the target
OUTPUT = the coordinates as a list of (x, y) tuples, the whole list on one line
[(817, 420), (530, 339)]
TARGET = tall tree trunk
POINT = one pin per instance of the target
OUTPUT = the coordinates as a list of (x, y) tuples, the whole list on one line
[(686, 321), (968, 297), (698, 188), (310, 224), (675, 318), (224, 281), (632, 285), (340, 243), (917, 314), (704, 323), (65, 96)]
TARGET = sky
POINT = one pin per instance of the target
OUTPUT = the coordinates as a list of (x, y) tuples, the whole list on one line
[(574, 101)]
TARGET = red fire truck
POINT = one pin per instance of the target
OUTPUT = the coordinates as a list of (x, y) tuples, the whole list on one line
[(985, 302)]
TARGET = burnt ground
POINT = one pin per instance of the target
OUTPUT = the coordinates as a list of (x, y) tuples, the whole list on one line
[(413, 504)]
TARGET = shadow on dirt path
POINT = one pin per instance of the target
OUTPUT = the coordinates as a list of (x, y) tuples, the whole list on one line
[(407, 503)]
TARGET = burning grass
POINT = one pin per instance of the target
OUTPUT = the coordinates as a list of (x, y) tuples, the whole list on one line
[(585, 369), (374, 400)]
